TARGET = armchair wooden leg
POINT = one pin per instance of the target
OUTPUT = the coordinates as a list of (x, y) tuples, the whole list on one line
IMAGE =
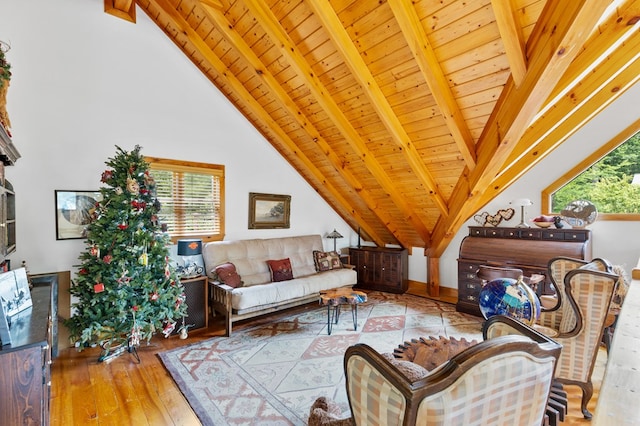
[(587, 393)]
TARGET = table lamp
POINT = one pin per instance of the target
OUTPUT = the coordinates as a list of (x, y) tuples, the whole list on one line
[(189, 249), (522, 203), (334, 236)]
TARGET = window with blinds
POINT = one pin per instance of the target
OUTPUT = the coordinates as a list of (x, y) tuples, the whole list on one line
[(191, 197)]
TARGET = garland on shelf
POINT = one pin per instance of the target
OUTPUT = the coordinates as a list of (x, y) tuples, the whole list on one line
[(5, 77), (5, 67)]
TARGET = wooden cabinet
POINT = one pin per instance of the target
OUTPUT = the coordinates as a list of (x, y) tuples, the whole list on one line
[(7, 219), (8, 156), (197, 298), (25, 364), (529, 249), (383, 269)]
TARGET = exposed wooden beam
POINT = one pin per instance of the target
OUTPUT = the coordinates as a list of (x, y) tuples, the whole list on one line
[(216, 4), (422, 51), (587, 100), (198, 43), (598, 76), (124, 9), (555, 42), (512, 38), (361, 72), (280, 38), (232, 36)]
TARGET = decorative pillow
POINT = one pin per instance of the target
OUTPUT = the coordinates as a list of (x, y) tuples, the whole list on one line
[(412, 371), (326, 260), (228, 275), (280, 270)]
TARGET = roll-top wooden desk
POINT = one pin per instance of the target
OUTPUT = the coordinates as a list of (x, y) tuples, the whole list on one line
[(529, 249)]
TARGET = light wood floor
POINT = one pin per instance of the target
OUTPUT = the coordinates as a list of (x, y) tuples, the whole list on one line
[(123, 392)]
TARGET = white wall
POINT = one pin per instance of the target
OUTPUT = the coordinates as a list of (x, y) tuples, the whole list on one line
[(84, 81)]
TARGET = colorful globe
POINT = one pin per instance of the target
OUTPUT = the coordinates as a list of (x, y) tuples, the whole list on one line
[(510, 297)]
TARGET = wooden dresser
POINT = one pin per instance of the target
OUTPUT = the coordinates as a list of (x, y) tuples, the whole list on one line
[(381, 268), (25, 364), (529, 249)]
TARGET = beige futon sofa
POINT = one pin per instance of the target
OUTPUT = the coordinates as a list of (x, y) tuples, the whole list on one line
[(312, 270)]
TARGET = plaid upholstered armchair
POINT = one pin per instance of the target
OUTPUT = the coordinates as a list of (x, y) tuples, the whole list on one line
[(502, 381), (585, 290)]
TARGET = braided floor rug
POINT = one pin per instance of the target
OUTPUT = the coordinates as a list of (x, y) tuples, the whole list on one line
[(271, 373)]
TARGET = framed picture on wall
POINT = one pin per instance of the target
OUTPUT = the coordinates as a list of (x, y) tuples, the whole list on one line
[(269, 211), (73, 212)]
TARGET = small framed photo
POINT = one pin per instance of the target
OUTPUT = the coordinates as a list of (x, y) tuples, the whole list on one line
[(73, 212), (269, 211)]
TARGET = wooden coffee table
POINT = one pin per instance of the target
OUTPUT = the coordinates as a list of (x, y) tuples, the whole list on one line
[(337, 297)]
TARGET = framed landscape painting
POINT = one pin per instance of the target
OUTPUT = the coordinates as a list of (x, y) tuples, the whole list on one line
[(269, 211)]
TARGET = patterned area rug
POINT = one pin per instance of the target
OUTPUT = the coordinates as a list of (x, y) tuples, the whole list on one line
[(270, 374)]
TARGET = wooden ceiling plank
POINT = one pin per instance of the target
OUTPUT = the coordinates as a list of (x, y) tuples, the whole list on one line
[(180, 22), (423, 53), (123, 9), (378, 100), (225, 27), (512, 38), (271, 26), (556, 42)]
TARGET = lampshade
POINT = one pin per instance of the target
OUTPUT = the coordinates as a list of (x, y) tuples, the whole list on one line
[(521, 202), (334, 234), (189, 247)]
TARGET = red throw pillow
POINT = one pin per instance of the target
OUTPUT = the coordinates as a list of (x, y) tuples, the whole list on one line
[(280, 270), (228, 275)]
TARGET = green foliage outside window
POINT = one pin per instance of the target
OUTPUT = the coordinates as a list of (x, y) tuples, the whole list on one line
[(607, 183)]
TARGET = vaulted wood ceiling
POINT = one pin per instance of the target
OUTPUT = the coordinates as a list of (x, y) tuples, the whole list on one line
[(408, 116)]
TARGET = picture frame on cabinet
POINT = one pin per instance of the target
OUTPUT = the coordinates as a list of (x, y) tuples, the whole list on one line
[(73, 212), (269, 211), (15, 295)]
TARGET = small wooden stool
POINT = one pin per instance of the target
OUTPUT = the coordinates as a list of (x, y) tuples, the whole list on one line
[(341, 296)]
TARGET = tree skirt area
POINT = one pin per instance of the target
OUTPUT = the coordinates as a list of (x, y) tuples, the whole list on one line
[(271, 373)]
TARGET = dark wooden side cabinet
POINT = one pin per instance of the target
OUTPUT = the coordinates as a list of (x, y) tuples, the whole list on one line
[(529, 249), (196, 291), (25, 364), (381, 268)]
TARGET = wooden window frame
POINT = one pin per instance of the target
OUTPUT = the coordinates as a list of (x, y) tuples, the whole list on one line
[(618, 140), (195, 167)]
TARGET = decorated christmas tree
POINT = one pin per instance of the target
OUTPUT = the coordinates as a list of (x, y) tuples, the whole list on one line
[(126, 290)]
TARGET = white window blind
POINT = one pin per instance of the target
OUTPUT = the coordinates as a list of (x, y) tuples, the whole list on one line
[(191, 198)]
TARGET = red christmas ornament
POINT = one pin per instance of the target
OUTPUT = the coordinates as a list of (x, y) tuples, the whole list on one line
[(154, 296), (107, 259), (123, 226), (98, 288), (107, 175), (168, 329)]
